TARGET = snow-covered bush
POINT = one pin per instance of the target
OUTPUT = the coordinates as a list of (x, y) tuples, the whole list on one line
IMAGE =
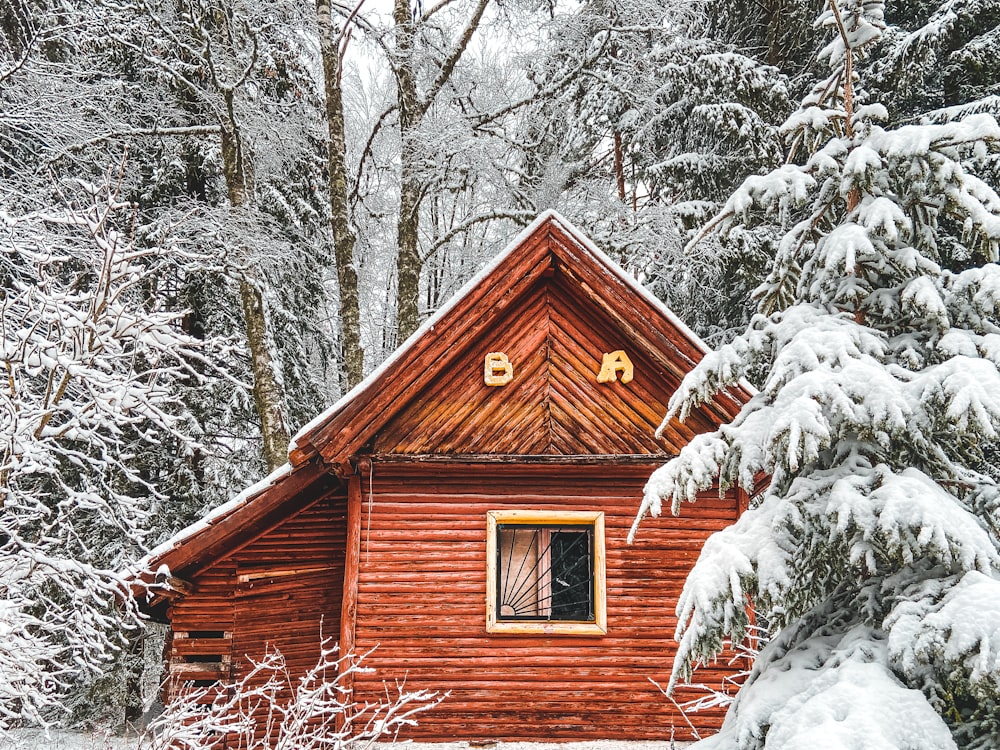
[(91, 362), (874, 547), (270, 709)]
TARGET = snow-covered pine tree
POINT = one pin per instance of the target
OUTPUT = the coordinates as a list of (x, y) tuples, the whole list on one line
[(873, 548)]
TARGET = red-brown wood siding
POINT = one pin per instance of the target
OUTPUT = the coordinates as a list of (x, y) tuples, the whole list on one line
[(274, 592), (289, 586), (446, 449), (549, 257), (202, 629), (422, 593)]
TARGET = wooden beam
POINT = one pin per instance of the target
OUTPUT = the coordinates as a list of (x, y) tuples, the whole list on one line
[(174, 586), (589, 459), (742, 501), (352, 562), (258, 514)]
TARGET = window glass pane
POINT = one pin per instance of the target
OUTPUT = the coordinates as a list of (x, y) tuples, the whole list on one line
[(572, 571), (517, 586), (545, 573)]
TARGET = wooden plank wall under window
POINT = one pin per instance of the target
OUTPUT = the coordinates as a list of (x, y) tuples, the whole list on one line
[(422, 591)]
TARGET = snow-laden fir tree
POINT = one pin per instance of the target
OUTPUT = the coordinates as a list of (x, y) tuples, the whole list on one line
[(872, 547)]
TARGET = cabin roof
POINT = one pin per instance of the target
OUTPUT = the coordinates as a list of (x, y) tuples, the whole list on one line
[(327, 444)]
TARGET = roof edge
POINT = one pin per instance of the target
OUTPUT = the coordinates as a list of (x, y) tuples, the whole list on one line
[(330, 412)]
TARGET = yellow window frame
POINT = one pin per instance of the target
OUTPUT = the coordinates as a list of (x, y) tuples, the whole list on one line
[(594, 519)]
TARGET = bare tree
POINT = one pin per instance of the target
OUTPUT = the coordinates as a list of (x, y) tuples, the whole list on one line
[(273, 709), (333, 44), (92, 363), (211, 51), (413, 106)]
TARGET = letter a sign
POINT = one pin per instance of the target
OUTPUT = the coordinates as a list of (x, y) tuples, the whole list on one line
[(613, 363)]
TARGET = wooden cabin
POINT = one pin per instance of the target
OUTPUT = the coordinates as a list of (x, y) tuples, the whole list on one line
[(463, 512)]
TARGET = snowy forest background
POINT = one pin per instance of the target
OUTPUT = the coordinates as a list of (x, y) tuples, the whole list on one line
[(218, 215)]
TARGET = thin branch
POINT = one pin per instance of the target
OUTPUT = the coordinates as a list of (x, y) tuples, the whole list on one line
[(368, 148), (29, 45), (546, 91), (431, 11), (448, 66), (180, 131), (468, 224), (345, 34)]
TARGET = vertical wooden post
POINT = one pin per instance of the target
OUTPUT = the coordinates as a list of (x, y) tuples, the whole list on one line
[(742, 501), (349, 604)]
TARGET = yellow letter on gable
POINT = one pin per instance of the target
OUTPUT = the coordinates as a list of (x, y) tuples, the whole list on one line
[(613, 363), (498, 370)]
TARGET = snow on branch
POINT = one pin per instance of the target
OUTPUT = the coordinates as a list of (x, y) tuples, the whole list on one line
[(91, 361), (271, 708)]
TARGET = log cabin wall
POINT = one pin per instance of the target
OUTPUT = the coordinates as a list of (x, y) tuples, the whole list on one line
[(511, 398), (289, 584), (422, 595), (281, 590), (201, 625)]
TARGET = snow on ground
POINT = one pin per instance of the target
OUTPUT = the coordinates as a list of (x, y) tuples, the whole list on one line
[(588, 745), (32, 739), (60, 739)]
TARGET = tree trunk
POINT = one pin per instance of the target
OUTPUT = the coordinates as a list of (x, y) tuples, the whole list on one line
[(268, 393), (343, 237), (412, 108), (619, 162), (408, 262), (775, 11)]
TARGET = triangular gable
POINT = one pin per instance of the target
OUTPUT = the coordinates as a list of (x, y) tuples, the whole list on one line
[(551, 345), (549, 257), (550, 284)]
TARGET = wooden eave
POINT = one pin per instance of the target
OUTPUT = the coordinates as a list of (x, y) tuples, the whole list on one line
[(328, 447), (222, 533)]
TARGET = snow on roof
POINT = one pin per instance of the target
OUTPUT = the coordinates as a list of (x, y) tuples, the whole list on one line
[(215, 515), (550, 216)]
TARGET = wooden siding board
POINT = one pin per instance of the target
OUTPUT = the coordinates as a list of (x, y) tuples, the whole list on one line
[(269, 508), (477, 314), (256, 611), (582, 341), (550, 252), (440, 418), (421, 601), (646, 397), (510, 412), (554, 404), (646, 325)]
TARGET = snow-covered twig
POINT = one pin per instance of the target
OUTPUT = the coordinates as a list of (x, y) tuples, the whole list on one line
[(272, 709)]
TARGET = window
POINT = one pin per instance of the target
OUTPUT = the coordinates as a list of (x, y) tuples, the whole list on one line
[(545, 572)]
